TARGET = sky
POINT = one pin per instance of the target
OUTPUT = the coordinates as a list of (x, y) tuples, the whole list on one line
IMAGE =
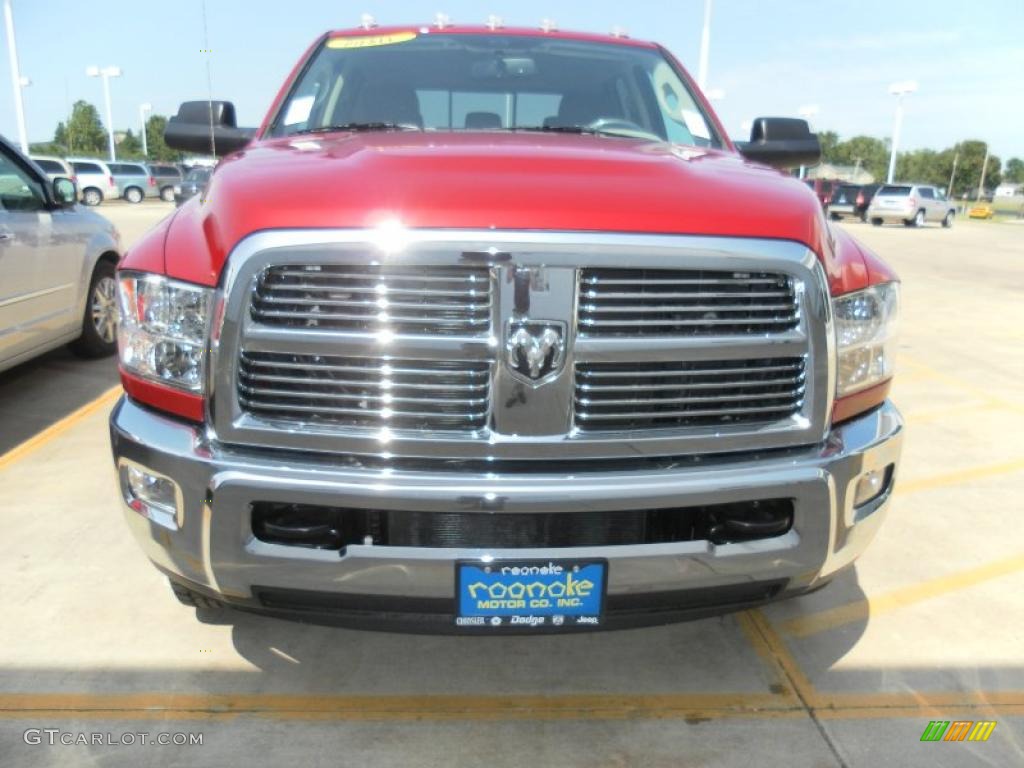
[(768, 58)]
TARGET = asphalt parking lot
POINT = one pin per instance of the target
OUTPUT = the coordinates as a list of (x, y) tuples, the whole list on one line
[(929, 626)]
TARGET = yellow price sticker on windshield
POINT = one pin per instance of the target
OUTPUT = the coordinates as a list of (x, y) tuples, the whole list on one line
[(368, 41)]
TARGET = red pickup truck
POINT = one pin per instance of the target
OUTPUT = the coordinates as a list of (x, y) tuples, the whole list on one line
[(470, 335)]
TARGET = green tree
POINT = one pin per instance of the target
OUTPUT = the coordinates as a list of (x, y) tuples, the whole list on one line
[(158, 150), (971, 157), (85, 131), (130, 148), (870, 153), (1014, 171), (60, 137), (828, 141)]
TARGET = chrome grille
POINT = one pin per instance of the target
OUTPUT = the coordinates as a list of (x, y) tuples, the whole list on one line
[(645, 302), (428, 395), (308, 380), (434, 300), (617, 396)]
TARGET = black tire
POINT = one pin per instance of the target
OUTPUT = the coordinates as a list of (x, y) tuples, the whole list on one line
[(167, 194), (876, 222), (947, 221), (92, 196), (134, 195), (193, 599), (99, 337), (919, 219)]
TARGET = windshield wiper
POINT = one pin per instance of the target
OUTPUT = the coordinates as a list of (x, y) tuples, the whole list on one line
[(557, 129), (623, 132), (360, 127)]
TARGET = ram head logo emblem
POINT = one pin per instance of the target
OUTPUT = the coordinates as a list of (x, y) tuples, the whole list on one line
[(535, 349)]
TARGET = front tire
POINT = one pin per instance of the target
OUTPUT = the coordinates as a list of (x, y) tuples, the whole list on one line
[(99, 325), (167, 194), (876, 222), (947, 221), (133, 195), (92, 196)]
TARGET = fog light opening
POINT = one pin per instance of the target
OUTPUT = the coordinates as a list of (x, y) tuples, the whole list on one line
[(151, 494), (872, 485)]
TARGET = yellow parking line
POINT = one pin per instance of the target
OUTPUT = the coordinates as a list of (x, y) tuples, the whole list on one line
[(860, 610), (959, 476), (958, 383), (782, 659), (921, 415), (697, 706), (59, 427)]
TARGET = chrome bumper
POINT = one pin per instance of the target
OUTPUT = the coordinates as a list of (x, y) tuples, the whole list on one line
[(211, 547)]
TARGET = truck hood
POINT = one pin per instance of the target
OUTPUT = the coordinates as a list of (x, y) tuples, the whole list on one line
[(481, 180)]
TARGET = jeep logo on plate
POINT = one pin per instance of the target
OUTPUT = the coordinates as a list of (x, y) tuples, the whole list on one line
[(535, 350)]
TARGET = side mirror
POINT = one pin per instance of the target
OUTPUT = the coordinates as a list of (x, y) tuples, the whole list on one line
[(206, 128), (64, 192), (782, 142)]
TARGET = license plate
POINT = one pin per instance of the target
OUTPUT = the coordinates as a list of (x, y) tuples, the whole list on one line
[(530, 593)]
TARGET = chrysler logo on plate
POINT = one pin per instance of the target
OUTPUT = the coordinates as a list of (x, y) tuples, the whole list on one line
[(535, 350)]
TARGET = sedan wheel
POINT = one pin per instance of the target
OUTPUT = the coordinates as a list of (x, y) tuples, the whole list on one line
[(948, 221), (919, 219), (104, 309)]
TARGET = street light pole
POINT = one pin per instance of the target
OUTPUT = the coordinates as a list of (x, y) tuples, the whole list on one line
[(106, 73), (143, 109), (899, 90), (16, 79), (807, 112), (705, 44), (981, 181)]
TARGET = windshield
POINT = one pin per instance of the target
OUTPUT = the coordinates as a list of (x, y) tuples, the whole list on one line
[(198, 175), (454, 82), (891, 191)]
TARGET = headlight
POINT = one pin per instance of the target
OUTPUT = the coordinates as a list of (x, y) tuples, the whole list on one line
[(865, 327), (163, 330)]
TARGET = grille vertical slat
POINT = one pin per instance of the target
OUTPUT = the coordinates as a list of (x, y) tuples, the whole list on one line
[(687, 394), (433, 301), (633, 302)]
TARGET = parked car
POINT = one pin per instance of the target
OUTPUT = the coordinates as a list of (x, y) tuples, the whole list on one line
[(167, 177), (54, 167), (135, 181), (822, 189), (95, 180), (58, 269), (913, 204), (195, 182), (851, 201), (981, 211), (394, 372)]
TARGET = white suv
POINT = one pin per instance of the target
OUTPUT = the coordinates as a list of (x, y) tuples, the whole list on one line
[(913, 204)]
